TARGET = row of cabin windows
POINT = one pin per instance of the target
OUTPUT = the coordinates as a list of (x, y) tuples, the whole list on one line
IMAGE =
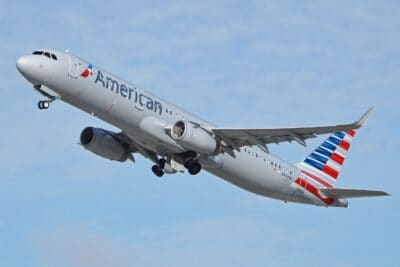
[(168, 111), (46, 54), (273, 164)]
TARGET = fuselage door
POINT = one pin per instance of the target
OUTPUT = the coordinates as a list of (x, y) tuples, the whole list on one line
[(73, 66)]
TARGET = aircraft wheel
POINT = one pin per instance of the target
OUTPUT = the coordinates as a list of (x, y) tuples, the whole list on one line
[(161, 163), (193, 167), (46, 104), (157, 171), (43, 104)]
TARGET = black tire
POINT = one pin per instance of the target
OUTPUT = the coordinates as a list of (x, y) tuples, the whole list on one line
[(161, 164), (43, 104), (46, 104), (157, 171), (194, 167), (187, 164)]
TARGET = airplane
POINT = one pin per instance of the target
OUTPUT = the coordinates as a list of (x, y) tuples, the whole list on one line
[(177, 141)]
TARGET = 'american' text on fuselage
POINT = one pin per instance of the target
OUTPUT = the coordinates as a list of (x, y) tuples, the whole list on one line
[(131, 93)]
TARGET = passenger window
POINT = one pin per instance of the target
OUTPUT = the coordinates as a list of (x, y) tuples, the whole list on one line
[(53, 56), (47, 54)]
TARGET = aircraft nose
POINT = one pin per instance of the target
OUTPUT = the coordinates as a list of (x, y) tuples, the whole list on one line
[(22, 64)]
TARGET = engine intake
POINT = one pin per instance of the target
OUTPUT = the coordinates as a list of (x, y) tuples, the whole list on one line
[(102, 143), (193, 137)]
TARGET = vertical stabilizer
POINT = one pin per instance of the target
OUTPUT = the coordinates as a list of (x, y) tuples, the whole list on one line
[(322, 167)]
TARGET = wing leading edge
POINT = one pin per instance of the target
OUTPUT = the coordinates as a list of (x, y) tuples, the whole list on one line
[(237, 137)]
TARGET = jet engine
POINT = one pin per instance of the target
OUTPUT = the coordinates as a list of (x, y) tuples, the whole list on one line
[(193, 137), (102, 143)]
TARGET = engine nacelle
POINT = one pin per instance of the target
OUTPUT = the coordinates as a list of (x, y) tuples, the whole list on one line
[(102, 143), (193, 138)]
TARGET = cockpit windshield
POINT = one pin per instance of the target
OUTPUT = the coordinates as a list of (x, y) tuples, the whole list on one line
[(47, 54)]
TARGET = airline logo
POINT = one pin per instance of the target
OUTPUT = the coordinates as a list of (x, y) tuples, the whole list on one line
[(324, 163), (86, 72)]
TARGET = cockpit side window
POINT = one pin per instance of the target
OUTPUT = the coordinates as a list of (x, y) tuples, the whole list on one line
[(53, 56), (47, 54), (37, 53)]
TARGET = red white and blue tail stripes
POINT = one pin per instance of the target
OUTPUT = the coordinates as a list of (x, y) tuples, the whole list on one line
[(323, 165)]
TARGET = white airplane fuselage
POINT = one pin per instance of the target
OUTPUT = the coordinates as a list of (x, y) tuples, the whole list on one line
[(129, 108)]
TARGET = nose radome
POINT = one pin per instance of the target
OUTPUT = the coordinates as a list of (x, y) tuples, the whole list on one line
[(22, 64)]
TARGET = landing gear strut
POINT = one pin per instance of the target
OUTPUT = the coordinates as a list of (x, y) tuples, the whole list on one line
[(158, 169), (193, 166)]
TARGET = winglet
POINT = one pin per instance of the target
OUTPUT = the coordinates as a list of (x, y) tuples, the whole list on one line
[(364, 118)]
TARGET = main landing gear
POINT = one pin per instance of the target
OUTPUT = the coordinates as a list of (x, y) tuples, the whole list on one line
[(193, 167), (158, 169), (45, 104)]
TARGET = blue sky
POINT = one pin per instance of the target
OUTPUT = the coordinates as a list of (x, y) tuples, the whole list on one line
[(239, 64)]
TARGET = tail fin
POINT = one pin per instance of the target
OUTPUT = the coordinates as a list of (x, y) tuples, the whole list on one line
[(323, 165)]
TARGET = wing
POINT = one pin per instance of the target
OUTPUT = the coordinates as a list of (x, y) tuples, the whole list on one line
[(236, 138), (337, 193), (135, 147)]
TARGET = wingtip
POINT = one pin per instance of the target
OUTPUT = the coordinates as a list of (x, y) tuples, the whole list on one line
[(382, 193), (364, 117)]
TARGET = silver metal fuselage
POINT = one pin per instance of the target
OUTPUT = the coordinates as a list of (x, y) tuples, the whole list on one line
[(250, 168)]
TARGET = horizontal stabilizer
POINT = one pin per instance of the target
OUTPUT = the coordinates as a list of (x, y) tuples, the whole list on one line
[(337, 193)]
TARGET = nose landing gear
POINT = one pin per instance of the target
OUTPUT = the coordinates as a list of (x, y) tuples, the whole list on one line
[(48, 93), (45, 104)]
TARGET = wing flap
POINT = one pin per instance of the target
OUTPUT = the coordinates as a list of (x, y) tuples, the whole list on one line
[(338, 193)]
